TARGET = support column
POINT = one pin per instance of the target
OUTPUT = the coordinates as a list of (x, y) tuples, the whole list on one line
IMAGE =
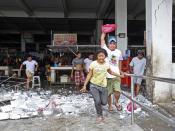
[(121, 21), (98, 30), (23, 43), (159, 47)]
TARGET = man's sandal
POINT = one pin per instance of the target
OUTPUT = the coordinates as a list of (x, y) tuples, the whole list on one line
[(110, 109)]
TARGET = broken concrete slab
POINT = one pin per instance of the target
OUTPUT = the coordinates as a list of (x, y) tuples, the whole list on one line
[(169, 107), (133, 127)]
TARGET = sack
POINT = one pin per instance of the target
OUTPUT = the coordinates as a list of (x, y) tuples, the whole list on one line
[(108, 28), (129, 106)]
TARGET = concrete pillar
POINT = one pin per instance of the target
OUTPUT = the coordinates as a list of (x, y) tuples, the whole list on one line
[(121, 21), (23, 43), (98, 30), (159, 47)]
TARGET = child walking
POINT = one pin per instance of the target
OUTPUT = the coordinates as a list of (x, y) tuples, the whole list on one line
[(97, 76)]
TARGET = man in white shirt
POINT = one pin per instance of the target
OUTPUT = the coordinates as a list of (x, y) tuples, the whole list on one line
[(114, 59), (31, 67), (137, 67), (88, 61)]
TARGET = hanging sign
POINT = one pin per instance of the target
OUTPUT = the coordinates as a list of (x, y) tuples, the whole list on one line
[(65, 39)]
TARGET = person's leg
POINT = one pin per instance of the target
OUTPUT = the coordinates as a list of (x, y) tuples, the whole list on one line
[(117, 97), (97, 100), (29, 77), (137, 89), (110, 91), (77, 80), (138, 84), (104, 95), (110, 102), (116, 92), (82, 77), (27, 85)]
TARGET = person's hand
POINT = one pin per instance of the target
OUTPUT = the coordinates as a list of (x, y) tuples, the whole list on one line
[(71, 76), (83, 89), (122, 75)]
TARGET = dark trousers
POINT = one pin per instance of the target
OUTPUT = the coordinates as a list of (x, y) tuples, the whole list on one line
[(100, 95)]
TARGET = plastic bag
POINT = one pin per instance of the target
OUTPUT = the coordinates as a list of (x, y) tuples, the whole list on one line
[(108, 28), (129, 106)]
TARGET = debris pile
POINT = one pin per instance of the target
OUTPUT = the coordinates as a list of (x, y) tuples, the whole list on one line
[(44, 103)]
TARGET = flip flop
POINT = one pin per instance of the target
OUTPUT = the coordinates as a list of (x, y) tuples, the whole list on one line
[(119, 107), (110, 109), (99, 120)]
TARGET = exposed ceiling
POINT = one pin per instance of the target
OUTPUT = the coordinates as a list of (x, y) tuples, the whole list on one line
[(60, 15), (98, 9), (41, 16)]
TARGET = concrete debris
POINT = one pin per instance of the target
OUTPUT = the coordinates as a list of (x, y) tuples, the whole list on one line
[(43, 103)]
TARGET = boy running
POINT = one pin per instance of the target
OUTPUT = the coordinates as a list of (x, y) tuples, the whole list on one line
[(114, 59), (31, 67)]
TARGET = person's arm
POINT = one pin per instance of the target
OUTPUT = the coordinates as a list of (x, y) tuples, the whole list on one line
[(131, 65), (36, 68), (144, 67), (120, 66), (115, 74), (87, 80), (21, 67), (72, 71), (120, 62), (103, 35)]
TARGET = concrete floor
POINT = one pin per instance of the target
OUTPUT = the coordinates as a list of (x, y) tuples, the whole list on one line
[(84, 122)]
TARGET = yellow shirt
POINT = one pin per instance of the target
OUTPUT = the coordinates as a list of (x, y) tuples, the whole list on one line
[(99, 73)]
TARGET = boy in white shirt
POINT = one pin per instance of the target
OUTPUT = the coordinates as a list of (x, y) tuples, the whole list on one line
[(31, 67), (114, 59), (88, 61), (137, 67)]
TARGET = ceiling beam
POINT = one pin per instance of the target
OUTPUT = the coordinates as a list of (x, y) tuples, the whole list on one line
[(6, 21), (103, 8), (139, 14), (25, 7), (65, 7), (138, 9), (110, 9)]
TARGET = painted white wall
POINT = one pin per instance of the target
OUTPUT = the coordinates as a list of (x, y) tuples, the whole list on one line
[(121, 21), (173, 86), (159, 45)]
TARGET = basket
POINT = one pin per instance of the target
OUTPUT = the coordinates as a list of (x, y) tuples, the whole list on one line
[(108, 28)]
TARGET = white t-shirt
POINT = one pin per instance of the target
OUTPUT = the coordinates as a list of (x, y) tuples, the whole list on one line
[(113, 58), (87, 62), (30, 65), (138, 65)]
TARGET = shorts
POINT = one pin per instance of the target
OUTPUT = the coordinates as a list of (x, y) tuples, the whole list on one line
[(79, 77), (113, 84), (29, 74), (137, 80)]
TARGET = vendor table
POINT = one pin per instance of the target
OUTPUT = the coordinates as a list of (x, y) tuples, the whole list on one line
[(53, 71)]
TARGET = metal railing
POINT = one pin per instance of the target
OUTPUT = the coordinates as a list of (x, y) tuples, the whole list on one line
[(133, 100)]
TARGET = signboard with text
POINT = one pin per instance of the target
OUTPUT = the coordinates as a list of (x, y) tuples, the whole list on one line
[(65, 39)]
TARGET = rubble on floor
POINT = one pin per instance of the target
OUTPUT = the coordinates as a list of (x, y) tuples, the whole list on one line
[(44, 103)]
